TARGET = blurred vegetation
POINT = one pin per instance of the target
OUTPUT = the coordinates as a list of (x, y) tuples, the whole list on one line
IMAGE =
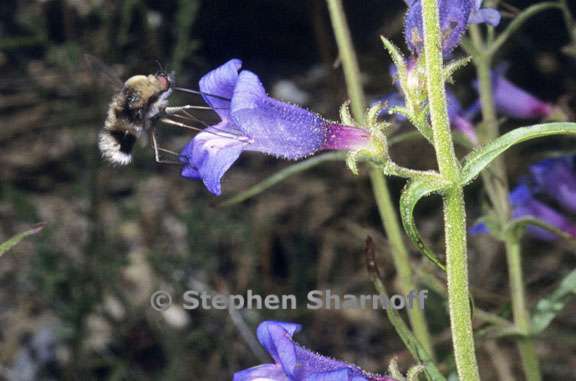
[(75, 298)]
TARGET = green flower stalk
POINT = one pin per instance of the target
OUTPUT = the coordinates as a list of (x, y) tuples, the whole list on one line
[(453, 199)]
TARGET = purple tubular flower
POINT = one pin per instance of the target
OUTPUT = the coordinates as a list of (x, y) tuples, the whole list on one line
[(525, 204), (514, 102), (457, 117), (292, 362), (252, 121), (484, 15), (454, 16), (557, 179)]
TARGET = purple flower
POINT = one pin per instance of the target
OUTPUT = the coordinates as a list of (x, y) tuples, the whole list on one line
[(389, 101), (457, 116), (514, 102), (455, 15), (458, 119), (483, 15), (252, 121), (557, 179), (524, 204), (292, 362)]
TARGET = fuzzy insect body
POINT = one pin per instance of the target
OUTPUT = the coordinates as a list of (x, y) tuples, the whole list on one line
[(141, 99)]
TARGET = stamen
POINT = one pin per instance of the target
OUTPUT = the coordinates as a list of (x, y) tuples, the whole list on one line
[(175, 109), (215, 131), (178, 124), (197, 92)]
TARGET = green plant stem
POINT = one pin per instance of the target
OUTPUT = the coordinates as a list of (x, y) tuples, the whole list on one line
[(453, 199), (497, 188), (522, 320), (497, 184), (381, 191), (568, 20)]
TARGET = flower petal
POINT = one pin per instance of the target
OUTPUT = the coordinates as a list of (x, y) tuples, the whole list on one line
[(480, 228), (270, 333), (454, 15), (210, 154), (221, 82), (298, 362), (275, 127), (515, 102), (265, 372), (343, 374), (486, 15), (465, 127), (389, 101), (525, 204), (457, 119), (557, 178)]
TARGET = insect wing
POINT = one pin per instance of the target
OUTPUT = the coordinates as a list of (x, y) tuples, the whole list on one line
[(101, 72)]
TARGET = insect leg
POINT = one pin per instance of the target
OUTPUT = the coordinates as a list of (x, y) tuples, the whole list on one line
[(157, 151)]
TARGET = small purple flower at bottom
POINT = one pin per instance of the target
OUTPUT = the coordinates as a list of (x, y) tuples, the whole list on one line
[(252, 121), (292, 362)]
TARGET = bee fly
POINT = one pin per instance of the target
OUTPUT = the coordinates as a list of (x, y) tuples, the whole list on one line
[(137, 103)]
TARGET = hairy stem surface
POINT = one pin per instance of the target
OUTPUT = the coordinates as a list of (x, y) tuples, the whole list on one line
[(521, 315), (453, 198)]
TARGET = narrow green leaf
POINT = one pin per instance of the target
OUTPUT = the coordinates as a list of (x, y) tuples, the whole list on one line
[(550, 306), (414, 192), (402, 329), (476, 161), (283, 175), (7, 245)]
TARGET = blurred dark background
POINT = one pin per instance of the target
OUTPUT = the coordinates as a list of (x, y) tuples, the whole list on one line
[(74, 300)]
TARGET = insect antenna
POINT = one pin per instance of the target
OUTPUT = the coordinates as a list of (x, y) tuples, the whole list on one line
[(160, 66)]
